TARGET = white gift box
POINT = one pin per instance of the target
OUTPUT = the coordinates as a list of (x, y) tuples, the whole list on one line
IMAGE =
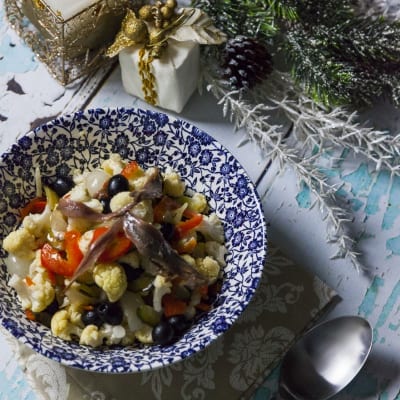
[(176, 73)]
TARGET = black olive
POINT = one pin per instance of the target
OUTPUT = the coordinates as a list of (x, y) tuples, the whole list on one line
[(62, 185), (211, 298), (163, 333), (167, 230), (179, 323), (105, 202), (46, 315), (130, 272), (110, 313), (52, 308), (118, 183), (91, 317)]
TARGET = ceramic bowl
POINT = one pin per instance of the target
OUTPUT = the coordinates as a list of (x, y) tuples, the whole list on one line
[(83, 140)]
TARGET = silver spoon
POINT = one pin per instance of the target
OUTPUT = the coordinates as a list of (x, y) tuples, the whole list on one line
[(325, 359)]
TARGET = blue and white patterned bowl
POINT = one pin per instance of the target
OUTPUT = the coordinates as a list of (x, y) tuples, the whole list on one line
[(82, 141)]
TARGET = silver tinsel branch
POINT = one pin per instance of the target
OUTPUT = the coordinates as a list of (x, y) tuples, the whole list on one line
[(315, 130)]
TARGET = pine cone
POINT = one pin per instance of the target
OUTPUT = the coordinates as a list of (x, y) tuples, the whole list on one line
[(245, 62)]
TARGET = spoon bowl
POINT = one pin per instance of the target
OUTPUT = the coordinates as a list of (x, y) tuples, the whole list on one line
[(325, 359)]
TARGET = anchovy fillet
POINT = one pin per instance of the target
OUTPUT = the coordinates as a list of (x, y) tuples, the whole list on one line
[(151, 244)]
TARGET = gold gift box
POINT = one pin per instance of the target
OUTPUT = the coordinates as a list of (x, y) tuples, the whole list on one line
[(70, 47)]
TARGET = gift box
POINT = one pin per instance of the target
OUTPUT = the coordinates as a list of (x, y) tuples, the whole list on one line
[(159, 52), (69, 36), (176, 73)]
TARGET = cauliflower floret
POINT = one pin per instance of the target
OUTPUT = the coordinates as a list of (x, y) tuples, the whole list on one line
[(108, 334), (211, 228), (175, 216), (85, 241), (111, 278), (21, 243), (161, 286), (130, 303), (113, 165), (208, 267), (139, 181), (95, 205), (75, 314), (196, 203), (144, 334), (18, 265), (62, 326), (91, 336), (173, 184), (42, 290), (24, 241), (217, 251), (38, 224), (79, 193), (144, 210), (35, 291), (120, 200), (58, 225), (22, 289), (83, 224), (78, 177), (129, 338), (112, 334)]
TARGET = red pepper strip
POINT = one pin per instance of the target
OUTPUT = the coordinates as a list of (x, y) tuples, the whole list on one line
[(189, 213), (53, 259), (30, 315), (131, 170), (172, 305), (35, 206), (183, 227), (117, 247)]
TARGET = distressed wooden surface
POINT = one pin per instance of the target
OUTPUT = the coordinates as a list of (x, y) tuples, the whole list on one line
[(28, 96), (374, 292)]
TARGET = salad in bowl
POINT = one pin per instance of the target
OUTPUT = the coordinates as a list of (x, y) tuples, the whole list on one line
[(118, 255), (130, 239)]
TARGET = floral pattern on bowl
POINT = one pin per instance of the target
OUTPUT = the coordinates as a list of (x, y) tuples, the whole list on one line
[(82, 141)]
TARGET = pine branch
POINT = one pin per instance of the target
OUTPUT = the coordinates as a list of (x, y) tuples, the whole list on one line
[(315, 12), (252, 18), (350, 61)]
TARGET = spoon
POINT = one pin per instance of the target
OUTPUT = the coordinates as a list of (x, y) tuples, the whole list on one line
[(325, 359)]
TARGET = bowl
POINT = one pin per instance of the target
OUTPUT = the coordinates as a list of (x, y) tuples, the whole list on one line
[(82, 140)]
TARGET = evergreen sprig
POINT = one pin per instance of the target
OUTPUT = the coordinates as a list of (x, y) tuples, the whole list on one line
[(351, 62), (252, 18), (336, 55)]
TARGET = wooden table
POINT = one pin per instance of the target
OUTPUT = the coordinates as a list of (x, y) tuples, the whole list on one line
[(29, 96)]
